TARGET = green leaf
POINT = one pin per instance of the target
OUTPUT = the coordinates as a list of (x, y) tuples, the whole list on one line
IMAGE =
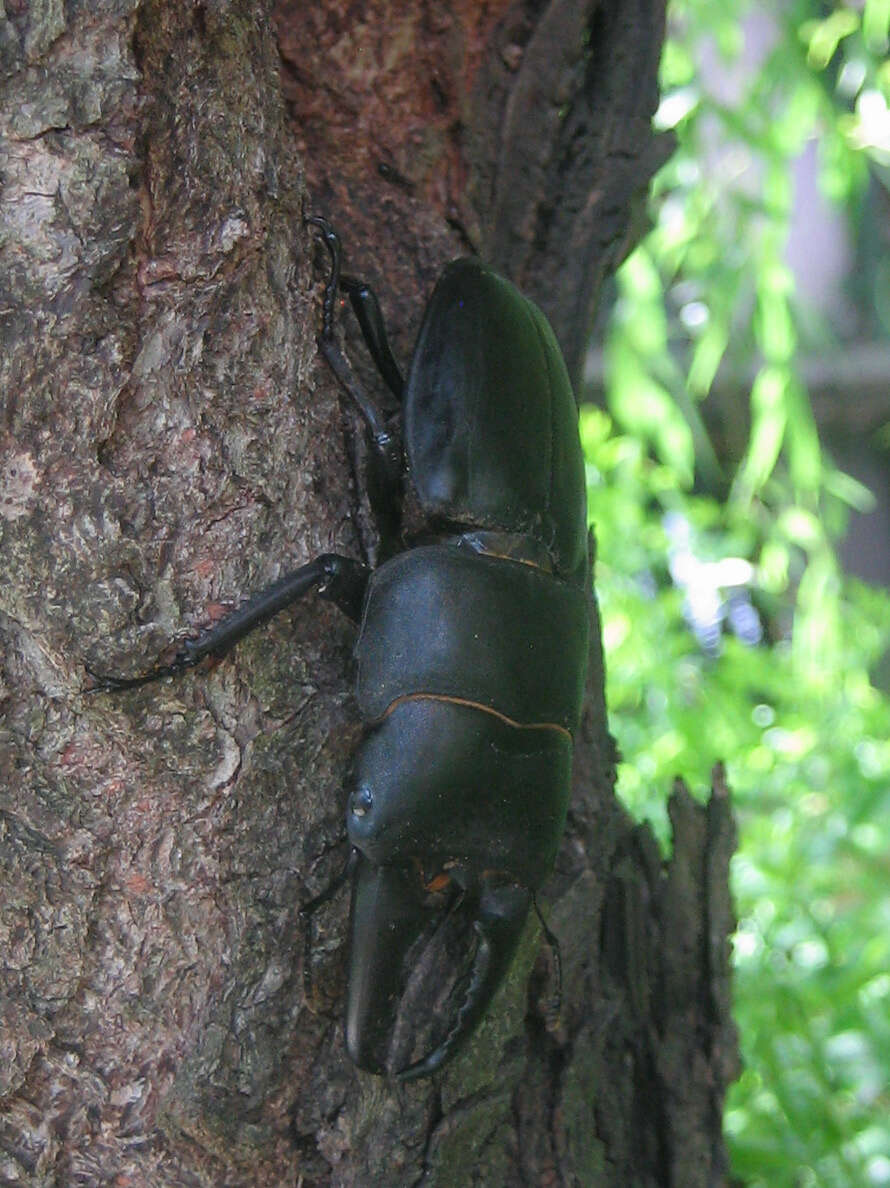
[(774, 328), (822, 37), (802, 438), (843, 171), (677, 65), (850, 491), (706, 358), (768, 420), (817, 635), (876, 25), (802, 528), (774, 324), (795, 123), (645, 407)]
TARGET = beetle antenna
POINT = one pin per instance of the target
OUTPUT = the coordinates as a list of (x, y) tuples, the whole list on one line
[(553, 1010)]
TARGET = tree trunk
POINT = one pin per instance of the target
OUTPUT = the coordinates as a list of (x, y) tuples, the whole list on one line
[(170, 442)]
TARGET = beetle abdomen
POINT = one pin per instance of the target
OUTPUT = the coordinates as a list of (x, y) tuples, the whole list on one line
[(497, 633), (491, 426)]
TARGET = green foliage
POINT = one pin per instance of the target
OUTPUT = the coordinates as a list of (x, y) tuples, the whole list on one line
[(803, 729)]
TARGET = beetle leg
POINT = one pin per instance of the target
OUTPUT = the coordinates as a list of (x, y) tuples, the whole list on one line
[(385, 442), (339, 579), (370, 318), (332, 243), (366, 307)]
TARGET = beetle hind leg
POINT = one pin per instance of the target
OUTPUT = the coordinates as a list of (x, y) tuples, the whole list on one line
[(366, 307), (369, 316), (385, 439)]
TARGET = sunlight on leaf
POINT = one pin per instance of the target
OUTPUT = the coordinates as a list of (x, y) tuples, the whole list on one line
[(822, 37), (876, 25), (769, 415)]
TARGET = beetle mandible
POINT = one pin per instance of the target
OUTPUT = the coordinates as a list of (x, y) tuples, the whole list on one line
[(471, 654)]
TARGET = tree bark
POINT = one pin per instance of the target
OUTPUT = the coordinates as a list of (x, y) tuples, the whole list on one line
[(169, 443)]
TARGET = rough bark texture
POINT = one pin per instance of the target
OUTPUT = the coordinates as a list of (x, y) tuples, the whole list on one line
[(170, 442)]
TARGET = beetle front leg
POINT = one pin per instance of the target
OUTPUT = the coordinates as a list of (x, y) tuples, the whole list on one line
[(339, 579)]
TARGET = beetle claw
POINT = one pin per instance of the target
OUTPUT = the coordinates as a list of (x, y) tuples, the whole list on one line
[(502, 915), (390, 920), (387, 917)]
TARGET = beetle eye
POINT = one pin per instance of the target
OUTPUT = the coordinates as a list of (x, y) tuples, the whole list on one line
[(361, 802)]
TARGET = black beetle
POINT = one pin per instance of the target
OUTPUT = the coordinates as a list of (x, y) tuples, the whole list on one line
[(471, 654)]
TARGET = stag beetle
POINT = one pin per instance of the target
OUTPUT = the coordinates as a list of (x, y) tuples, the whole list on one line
[(471, 654)]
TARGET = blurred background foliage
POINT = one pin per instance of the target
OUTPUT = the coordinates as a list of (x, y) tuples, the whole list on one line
[(732, 630)]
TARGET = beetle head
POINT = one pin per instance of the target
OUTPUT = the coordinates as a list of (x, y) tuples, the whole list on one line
[(457, 816), (439, 781)]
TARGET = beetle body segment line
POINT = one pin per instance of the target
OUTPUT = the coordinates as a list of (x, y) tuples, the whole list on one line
[(485, 709)]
